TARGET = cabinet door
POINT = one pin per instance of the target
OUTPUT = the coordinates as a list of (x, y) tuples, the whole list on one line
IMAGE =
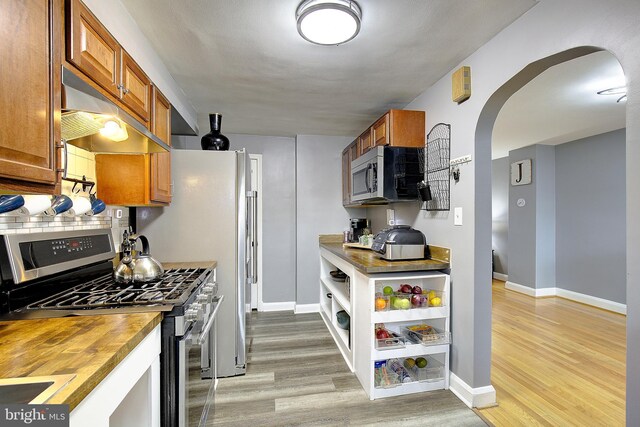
[(91, 48), (136, 88), (365, 141), (346, 176), (380, 131), (355, 152), (406, 128), (161, 162), (123, 179), (30, 93)]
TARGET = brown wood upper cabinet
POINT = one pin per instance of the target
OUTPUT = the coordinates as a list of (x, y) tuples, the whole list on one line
[(135, 87), (399, 128), (92, 49), (380, 131), (364, 142), (30, 32), (96, 53), (139, 180), (161, 162)]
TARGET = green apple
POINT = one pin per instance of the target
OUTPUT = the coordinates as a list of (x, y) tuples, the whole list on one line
[(388, 290)]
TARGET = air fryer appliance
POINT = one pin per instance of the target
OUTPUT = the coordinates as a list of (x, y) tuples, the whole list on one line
[(400, 242), (358, 227)]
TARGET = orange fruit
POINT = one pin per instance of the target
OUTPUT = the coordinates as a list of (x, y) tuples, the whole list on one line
[(381, 303)]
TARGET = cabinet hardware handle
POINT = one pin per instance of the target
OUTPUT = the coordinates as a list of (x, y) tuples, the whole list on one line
[(126, 91), (120, 86)]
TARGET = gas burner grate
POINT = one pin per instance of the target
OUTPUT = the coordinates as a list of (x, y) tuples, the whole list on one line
[(174, 287)]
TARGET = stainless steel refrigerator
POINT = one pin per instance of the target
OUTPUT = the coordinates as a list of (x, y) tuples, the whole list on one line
[(212, 217)]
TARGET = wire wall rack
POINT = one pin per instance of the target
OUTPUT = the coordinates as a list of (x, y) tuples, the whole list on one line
[(436, 171)]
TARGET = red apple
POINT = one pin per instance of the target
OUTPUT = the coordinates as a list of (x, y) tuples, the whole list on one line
[(405, 289), (382, 334), (416, 290), (418, 300)]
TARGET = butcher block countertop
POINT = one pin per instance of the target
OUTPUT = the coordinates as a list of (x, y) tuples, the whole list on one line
[(194, 264), (369, 262), (88, 346)]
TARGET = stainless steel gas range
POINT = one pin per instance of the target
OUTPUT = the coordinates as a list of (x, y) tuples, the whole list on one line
[(70, 273)]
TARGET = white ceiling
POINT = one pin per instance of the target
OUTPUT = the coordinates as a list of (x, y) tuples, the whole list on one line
[(245, 59), (562, 105)]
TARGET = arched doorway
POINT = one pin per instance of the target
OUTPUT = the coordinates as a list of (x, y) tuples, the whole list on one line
[(484, 131)]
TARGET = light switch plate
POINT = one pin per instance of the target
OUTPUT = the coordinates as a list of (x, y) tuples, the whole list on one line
[(457, 216)]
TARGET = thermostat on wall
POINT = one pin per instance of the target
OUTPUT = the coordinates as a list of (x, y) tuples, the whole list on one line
[(461, 84)]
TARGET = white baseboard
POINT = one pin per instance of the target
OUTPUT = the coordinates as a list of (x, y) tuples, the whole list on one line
[(278, 306), (479, 397), (307, 308), (616, 307), (522, 289), (500, 276)]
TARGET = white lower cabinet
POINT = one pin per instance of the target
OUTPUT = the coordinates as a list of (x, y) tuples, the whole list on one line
[(129, 396), (412, 355)]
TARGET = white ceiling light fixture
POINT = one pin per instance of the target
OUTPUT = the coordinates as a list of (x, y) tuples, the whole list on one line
[(328, 22), (622, 90)]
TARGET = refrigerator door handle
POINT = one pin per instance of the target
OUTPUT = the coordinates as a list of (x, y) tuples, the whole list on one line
[(253, 239)]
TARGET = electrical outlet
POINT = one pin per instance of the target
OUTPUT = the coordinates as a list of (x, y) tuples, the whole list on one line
[(391, 217), (457, 216)]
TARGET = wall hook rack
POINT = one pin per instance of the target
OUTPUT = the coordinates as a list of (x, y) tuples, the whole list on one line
[(83, 182)]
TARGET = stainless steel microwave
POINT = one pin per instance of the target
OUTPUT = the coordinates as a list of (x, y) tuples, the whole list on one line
[(387, 174)]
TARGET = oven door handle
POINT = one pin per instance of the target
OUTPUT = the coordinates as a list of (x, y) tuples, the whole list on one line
[(205, 330)]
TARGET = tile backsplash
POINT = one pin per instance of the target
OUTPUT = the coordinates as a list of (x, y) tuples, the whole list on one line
[(79, 163), (12, 223)]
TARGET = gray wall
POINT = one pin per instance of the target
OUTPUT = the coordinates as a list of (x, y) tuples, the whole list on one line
[(532, 228), (545, 169), (319, 205), (500, 210), (591, 218), (278, 209), (522, 224)]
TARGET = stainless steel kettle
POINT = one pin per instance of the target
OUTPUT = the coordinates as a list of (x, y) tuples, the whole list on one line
[(139, 268)]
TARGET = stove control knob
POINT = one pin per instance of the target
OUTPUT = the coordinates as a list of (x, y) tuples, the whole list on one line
[(203, 298), (194, 312), (210, 288), (191, 315)]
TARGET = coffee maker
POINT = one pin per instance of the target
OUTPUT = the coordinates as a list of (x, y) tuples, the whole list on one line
[(358, 227)]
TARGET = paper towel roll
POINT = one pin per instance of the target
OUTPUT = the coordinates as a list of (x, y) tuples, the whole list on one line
[(34, 205)]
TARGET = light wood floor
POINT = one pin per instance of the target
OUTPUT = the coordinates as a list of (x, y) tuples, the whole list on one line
[(555, 362), (296, 376)]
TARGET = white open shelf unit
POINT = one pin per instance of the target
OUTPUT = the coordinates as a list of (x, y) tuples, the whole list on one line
[(367, 318), (358, 346), (340, 300)]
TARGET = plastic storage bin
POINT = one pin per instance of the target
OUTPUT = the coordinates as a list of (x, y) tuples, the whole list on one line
[(394, 341), (426, 335)]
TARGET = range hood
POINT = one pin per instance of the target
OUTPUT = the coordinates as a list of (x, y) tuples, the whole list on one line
[(94, 123)]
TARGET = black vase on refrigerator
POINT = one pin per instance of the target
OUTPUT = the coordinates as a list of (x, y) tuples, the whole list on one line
[(214, 140)]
